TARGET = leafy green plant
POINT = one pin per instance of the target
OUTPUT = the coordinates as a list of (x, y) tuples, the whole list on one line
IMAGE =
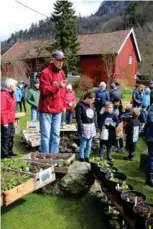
[(122, 187), (10, 180), (20, 164)]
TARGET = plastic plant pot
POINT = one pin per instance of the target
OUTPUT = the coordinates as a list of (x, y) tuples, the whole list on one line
[(131, 198), (113, 179), (149, 223), (143, 211), (104, 171)]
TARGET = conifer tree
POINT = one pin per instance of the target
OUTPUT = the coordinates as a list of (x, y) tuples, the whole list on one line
[(66, 34)]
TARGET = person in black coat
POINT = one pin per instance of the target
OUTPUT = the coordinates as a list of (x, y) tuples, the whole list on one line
[(149, 139), (138, 96), (109, 121), (102, 96), (115, 93), (86, 120), (132, 134)]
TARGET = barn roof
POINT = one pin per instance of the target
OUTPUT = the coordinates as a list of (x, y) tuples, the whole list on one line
[(90, 44)]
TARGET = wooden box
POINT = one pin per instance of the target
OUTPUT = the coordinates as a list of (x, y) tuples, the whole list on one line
[(18, 192), (54, 159), (67, 158), (33, 125), (27, 135), (34, 140)]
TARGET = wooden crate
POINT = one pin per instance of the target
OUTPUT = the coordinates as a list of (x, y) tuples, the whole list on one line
[(18, 192), (34, 141), (53, 160), (33, 125), (27, 134), (42, 178), (69, 128), (57, 169), (68, 158)]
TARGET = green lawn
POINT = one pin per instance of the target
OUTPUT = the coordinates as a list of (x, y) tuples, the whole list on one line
[(39, 211)]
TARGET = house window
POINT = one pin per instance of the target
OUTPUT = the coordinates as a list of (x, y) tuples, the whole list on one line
[(130, 60)]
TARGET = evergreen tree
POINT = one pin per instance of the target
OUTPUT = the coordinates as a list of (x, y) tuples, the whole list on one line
[(66, 34)]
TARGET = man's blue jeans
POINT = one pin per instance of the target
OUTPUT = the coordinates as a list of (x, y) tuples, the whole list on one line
[(85, 147), (50, 132), (34, 114)]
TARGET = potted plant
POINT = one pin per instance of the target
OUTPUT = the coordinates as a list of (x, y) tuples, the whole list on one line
[(149, 223), (131, 198), (104, 170), (143, 211), (122, 188), (96, 164), (113, 179)]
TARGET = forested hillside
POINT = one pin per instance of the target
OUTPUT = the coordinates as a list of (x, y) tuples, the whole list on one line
[(111, 16)]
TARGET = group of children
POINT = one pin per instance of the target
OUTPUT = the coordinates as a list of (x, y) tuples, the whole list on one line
[(117, 121)]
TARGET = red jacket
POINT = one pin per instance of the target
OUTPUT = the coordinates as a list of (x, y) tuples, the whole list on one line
[(70, 98), (52, 99), (8, 107)]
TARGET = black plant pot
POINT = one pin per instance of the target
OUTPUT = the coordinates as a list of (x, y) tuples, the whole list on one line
[(128, 198), (119, 192), (103, 172), (94, 168), (141, 212), (149, 222), (112, 184)]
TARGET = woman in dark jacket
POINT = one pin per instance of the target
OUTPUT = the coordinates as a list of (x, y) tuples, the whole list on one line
[(149, 139), (86, 120)]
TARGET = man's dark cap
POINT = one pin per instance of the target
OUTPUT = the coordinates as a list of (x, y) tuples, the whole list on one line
[(58, 55)]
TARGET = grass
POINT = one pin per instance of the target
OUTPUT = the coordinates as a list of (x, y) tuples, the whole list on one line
[(39, 211)]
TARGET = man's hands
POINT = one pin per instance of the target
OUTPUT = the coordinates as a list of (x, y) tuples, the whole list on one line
[(63, 83)]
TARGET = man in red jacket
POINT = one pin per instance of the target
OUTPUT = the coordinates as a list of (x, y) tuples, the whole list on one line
[(52, 103), (8, 107)]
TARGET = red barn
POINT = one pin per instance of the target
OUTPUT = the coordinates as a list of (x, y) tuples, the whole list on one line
[(103, 56)]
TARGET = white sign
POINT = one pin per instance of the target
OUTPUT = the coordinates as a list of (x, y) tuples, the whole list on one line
[(45, 175)]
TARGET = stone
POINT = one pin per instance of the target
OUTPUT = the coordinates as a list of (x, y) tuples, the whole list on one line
[(77, 182)]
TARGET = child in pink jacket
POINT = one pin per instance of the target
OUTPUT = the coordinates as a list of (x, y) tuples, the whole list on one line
[(70, 103)]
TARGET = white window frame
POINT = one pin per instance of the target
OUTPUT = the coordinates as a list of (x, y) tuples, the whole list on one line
[(130, 59)]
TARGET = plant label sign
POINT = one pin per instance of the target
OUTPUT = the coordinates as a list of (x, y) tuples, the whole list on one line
[(45, 175)]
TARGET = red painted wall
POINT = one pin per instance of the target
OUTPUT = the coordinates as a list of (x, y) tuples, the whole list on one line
[(125, 72), (93, 67)]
